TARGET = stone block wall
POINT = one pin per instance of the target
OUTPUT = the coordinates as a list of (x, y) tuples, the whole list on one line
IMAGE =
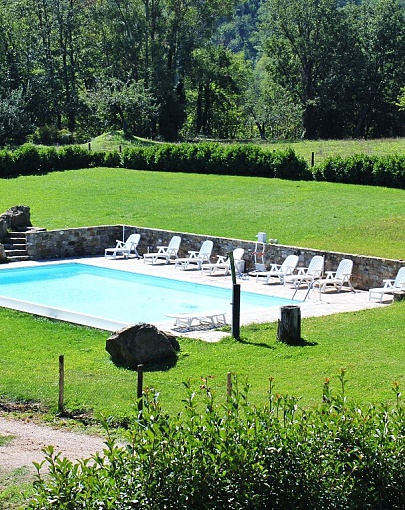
[(91, 241)]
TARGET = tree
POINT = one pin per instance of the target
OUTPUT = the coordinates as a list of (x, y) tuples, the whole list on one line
[(271, 108), (309, 58), (124, 105)]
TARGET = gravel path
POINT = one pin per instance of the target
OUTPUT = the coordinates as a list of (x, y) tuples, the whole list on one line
[(30, 438)]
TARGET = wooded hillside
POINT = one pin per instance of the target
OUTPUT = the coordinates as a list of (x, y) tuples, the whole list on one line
[(176, 69)]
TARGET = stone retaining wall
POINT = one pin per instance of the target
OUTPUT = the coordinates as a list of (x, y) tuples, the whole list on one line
[(91, 241)]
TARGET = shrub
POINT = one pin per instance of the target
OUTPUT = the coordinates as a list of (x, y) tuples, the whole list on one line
[(360, 169), (390, 171), (73, 157), (237, 456)]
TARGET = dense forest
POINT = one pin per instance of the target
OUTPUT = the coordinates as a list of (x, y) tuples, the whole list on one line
[(178, 69)]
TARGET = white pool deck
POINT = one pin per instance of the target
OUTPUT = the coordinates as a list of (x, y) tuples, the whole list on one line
[(316, 304)]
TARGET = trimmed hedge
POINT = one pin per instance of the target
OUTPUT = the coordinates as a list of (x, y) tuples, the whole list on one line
[(204, 158), (210, 158), (237, 456), (386, 171)]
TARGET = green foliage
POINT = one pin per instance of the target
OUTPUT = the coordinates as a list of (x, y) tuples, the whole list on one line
[(237, 455), (220, 159), (362, 169)]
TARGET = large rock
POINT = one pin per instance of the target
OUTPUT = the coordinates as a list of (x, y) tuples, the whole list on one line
[(141, 344), (17, 217)]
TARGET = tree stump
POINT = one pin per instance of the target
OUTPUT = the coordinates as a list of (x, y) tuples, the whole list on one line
[(289, 325)]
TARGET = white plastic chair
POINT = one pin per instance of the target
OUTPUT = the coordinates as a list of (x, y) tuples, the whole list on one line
[(390, 286), (165, 252), (287, 268), (224, 263), (124, 248), (197, 257), (337, 278)]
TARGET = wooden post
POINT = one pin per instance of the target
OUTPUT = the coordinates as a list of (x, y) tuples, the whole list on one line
[(289, 325), (139, 393), (61, 383), (313, 159), (229, 385), (89, 146)]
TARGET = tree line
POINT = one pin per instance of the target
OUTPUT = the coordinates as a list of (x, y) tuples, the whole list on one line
[(177, 69)]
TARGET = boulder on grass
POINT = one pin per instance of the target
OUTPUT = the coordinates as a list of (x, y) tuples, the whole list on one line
[(141, 344)]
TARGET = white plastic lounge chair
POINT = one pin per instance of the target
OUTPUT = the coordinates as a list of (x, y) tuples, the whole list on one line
[(165, 252), (196, 257), (308, 275), (190, 320), (390, 286), (287, 268), (124, 248), (224, 263), (337, 278)]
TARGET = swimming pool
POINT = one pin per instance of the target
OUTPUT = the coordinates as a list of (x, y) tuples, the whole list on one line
[(110, 299)]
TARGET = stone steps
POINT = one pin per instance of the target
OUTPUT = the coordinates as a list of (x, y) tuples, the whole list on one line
[(15, 247)]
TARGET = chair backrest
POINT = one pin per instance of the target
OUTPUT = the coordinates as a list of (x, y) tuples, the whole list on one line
[(315, 266), (289, 264), (174, 245), (238, 254), (400, 278), (344, 269), (205, 250), (132, 241)]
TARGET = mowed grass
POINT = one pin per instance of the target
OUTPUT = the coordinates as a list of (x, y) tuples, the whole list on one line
[(369, 345), (325, 148), (328, 216)]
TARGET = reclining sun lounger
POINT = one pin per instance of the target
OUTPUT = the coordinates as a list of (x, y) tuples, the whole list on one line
[(224, 263), (165, 252), (189, 320), (124, 248), (390, 286), (337, 278), (196, 257)]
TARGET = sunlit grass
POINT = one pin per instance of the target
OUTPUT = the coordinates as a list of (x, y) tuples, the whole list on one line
[(328, 216), (370, 345)]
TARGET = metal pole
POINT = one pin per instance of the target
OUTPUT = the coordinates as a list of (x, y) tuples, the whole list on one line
[(61, 383), (235, 300)]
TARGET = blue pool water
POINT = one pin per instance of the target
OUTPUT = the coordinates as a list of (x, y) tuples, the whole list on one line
[(120, 296)]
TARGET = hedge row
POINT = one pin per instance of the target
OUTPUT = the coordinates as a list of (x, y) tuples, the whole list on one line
[(237, 456), (386, 171), (248, 160), (210, 158)]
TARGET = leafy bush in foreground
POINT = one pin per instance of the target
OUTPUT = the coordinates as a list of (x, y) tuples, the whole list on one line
[(237, 456)]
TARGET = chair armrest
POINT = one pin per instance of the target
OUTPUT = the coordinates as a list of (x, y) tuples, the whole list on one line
[(221, 259), (274, 267), (120, 244), (302, 271), (388, 283)]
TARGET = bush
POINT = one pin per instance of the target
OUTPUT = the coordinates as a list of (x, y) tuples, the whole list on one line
[(360, 169), (237, 456)]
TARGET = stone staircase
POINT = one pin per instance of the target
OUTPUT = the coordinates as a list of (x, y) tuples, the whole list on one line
[(15, 246)]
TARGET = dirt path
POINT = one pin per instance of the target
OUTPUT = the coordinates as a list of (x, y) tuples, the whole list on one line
[(30, 438)]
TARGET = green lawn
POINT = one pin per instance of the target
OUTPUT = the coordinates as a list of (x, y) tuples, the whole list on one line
[(353, 219), (337, 217), (370, 345)]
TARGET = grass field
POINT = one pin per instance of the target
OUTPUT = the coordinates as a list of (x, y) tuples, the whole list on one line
[(353, 219), (321, 148), (338, 217), (370, 345)]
